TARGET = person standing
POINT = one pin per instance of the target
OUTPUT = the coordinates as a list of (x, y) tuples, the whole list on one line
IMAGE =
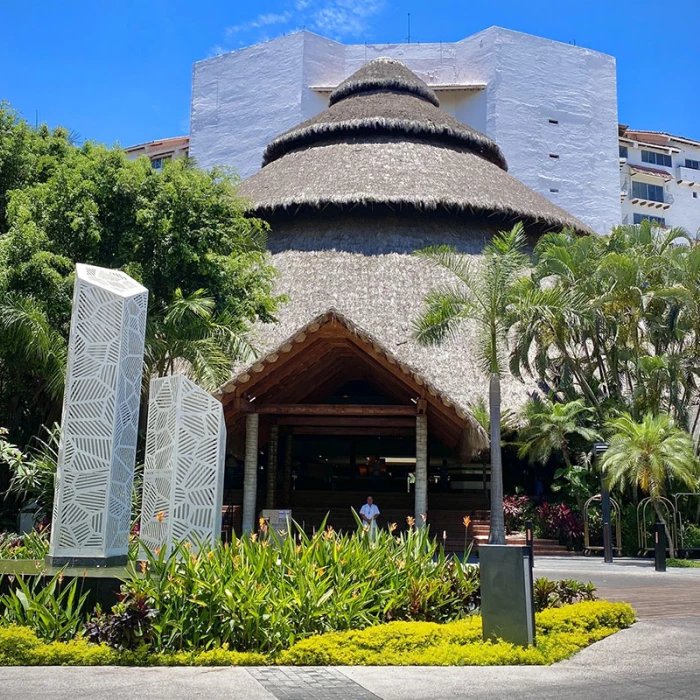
[(369, 514)]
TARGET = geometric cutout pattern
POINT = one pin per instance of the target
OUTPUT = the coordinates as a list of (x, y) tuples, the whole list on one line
[(94, 480), (183, 478)]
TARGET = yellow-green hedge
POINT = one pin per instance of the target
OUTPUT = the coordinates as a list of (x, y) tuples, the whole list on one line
[(561, 632), (19, 646)]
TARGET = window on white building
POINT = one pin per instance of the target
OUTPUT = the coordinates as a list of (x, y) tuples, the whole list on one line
[(694, 164), (157, 163), (642, 190), (657, 158), (623, 152), (638, 218)]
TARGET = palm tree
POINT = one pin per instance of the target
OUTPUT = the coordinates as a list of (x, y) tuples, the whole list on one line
[(555, 427), (652, 455), (188, 336), (481, 295)]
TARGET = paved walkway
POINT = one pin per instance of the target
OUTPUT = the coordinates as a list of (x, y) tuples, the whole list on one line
[(659, 657)]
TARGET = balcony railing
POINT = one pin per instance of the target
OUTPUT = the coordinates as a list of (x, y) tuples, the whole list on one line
[(688, 176)]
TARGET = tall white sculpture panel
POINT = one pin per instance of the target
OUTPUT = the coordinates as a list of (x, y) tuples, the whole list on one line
[(92, 505), (183, 480)]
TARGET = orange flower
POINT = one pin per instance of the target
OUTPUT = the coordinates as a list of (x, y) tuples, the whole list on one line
[(60, 577), (157, 550), (424, 517), (254, 537), (411, 521), (392, 527), (210, 555), (144, 567), (160, 516), (466, 520)]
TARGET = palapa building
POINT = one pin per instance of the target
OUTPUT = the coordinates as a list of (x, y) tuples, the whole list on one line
[(343, 401)]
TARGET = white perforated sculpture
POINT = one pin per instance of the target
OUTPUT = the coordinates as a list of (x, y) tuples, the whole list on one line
[(183, 480), (92, 505)]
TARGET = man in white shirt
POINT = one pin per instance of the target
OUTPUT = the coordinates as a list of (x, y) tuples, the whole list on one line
[(369, 514)]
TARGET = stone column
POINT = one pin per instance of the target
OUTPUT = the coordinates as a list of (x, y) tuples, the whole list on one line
[(271, 501), (288, 468), (421, 490), (92, 505), (250, 473)]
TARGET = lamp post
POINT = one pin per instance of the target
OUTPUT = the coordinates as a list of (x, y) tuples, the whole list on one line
[(601, 448)]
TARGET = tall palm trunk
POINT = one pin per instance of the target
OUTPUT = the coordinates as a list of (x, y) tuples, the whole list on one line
[(497, 530)]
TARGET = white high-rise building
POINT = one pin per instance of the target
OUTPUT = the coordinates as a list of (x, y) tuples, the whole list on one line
[(551, 107), (659, 179)]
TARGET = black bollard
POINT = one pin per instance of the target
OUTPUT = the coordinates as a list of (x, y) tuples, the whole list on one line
[(660, 547), (530, 541)]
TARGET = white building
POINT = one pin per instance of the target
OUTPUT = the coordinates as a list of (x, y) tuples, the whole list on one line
[(161, 150), (551, 107), (659, 179)]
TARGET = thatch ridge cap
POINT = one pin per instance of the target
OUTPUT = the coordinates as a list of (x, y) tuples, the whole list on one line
[(381, 74)]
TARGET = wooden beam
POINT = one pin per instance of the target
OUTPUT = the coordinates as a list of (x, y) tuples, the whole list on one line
[(322, 409), (349, 421), (340, 430)]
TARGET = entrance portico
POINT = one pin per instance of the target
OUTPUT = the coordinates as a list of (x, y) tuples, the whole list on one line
[(332, 387)]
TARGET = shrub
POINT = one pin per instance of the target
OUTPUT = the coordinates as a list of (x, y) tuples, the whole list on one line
[(53, 610), (560, 633), (33, 545), (265, 595), (554, 594), (684, 563), (558, 521), (514, 509), (128, 626), (19, 646)]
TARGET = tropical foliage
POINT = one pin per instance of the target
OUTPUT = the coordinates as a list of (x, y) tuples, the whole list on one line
[(614, 321), (480, 294), (653, 455), (181, 232)]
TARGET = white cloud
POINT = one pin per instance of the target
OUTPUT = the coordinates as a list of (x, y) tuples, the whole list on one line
[(344, 18), (338, 19), (264, 20)]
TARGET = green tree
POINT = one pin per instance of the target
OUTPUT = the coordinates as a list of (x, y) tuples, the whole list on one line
[(654, 455), (559, 429), (614, 320), (480, 294), (183, 233)]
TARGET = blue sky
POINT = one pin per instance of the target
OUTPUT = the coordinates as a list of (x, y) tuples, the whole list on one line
[(121, 71)]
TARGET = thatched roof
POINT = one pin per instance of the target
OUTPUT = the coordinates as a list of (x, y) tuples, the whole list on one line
[(383, 74), (475, 435), (362, 267), (384, 141)]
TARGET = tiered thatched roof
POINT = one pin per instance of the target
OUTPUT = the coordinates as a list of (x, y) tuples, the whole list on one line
[(385, 141)]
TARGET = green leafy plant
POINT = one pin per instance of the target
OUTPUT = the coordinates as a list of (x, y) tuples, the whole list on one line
[(264, 594), (53, 610), (554, 594)]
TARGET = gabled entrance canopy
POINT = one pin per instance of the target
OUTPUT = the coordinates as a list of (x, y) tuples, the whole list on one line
[(293, 388), (297, 378)]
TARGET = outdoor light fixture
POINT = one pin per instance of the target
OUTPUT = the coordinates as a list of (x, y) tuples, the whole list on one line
[(600, 448)]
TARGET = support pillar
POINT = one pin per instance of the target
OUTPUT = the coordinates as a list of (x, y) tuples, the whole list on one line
[(271, 500), (250, 472), (288, 468), (421, 489)]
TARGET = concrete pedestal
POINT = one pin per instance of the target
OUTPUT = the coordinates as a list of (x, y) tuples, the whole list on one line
[(507, 605)]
